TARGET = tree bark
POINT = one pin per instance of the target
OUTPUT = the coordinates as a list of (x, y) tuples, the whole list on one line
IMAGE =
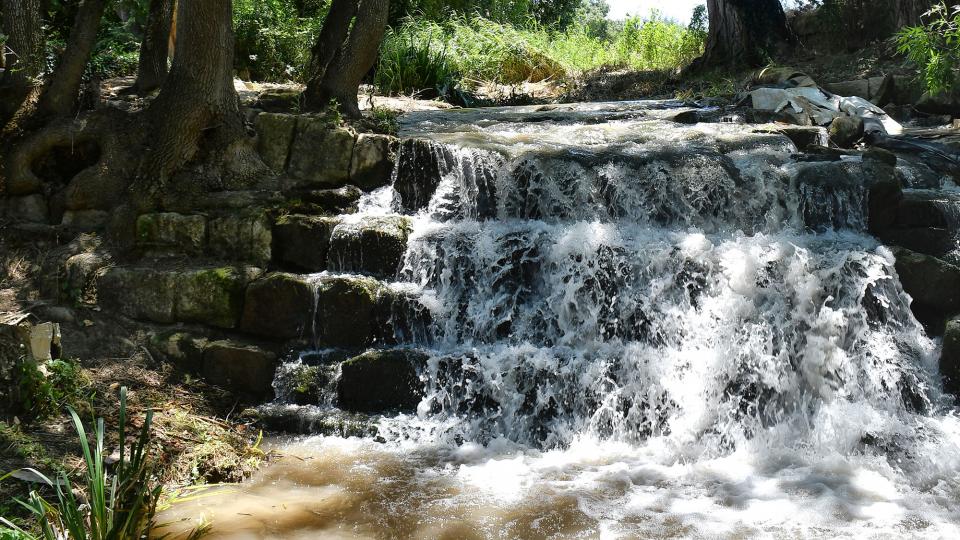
[(59, 96), (155, 48), (332, 35), (23, 57), (197, 101), (743, 33), (351, 61)]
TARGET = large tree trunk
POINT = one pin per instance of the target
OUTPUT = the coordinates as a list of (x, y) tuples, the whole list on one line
[(335, 29), (23, 58), (197, 105), (352, 60), (743, 33), (59, 97), (154, 50)]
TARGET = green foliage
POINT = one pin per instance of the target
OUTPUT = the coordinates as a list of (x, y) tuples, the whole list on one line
[(274, 37), (119, 506), (439, 59), (934, 47), (45, 393)]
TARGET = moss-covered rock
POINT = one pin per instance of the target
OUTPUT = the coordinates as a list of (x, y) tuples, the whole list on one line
[(168, 230), (372, 245), (321, 154), (351, 311), (275, 134), (245, 369), (212, 296), (302, 242), (279, 306), (378, 381)]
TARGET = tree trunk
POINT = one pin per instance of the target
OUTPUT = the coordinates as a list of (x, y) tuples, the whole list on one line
[(197, 101), (743, 33), (59, 97), (23, 58), (335, 29), (351, 61), (154, 50)]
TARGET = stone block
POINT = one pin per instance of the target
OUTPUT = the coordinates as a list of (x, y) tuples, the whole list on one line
[(171, 231), (274, 137), (371, 245), (139, 293), (302, 242), (279, 306), (212, 296), (245, 369), (321, 154), (241, 238), (372, 164), (379, 381)]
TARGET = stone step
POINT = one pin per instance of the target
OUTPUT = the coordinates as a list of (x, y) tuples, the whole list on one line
[(371, 245)]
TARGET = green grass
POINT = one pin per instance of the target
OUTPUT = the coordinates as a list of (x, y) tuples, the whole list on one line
[(431, 57)]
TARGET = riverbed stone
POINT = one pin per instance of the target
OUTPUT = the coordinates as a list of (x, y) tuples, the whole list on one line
[(350, 311), (275, 134), (372, 162), (243, 368), (371, 245), (169, 230), (302, 242), (378, 381), (933, 241), (279, 306), (321, 154), (950, 357)]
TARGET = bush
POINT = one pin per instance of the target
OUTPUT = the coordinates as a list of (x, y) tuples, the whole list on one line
[(934, 47), (274, 37), (44, 394)]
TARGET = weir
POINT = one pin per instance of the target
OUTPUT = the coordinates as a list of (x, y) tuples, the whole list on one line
[(617, 325)]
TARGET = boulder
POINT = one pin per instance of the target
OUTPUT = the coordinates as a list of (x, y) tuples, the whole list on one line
[(245, 237), (845, 131), (858, 87), (884, 194), (300, 384), (321, 154), (372, 164), (245, 369), (86, 220), (379, 381), (168, 230), (279, 100), (950, 357), (334, 202), (942, 103), (302, 242), (372, 245), (921, 212), (351, 311), (212, 296), (804, 137), (279, 306), (274, 137), (933, 284)]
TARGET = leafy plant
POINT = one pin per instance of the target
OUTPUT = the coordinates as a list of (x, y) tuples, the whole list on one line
[(44, 393), (934, 47), (119, 506)]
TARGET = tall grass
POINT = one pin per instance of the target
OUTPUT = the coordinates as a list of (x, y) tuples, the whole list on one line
[(468, 50)]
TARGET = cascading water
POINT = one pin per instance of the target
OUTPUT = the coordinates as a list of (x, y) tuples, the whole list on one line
[(637, 329)]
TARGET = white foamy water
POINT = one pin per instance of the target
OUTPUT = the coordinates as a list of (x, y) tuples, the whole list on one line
[(635, 329)]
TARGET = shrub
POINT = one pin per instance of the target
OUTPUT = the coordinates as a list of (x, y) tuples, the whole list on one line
[(274, 37), (61, 384), (934, 47)]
